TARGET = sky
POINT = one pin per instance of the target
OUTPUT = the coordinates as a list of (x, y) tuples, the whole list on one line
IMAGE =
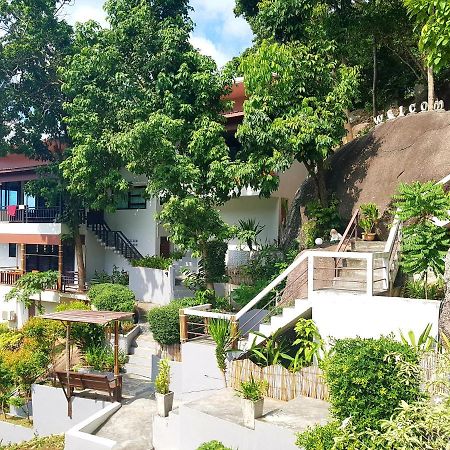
[(218, 33)]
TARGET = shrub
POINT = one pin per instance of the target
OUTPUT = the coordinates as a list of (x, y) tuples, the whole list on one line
[(162, 381), (325, 218), (214, 264), (246, 293), (417, 289), (11, 340), (253, 390), (102, 358), (83, 334), (309, 231), (213, 445), (117, 277), (320, 437), (368, 378), (153, 262), (112, 297)]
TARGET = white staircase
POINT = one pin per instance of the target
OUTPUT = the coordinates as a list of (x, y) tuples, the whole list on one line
[(140, 360)]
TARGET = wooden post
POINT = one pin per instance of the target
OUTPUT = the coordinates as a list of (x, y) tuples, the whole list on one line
[(23, 260), (60, 266), (234, 333), (116, 348), (69, 389), (183, 327)]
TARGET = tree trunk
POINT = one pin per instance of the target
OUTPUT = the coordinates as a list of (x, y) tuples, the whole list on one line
[(293, 221), (80, 260), (444, 319), (321, 185), (430, 77), (209, 283), (375, 78)]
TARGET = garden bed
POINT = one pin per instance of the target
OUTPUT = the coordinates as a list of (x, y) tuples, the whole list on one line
[(14, 420)]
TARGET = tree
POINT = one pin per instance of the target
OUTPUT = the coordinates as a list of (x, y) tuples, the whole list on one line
[(433, 20), (143, 98), (424, 244), (295, 111), (34, 44)]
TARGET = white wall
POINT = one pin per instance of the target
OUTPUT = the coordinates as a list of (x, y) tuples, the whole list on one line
[(290, 181), (32, 228), (264, 210), (5, 260), (347, 315), (152, 285)]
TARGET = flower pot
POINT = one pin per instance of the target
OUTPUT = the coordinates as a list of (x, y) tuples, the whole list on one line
[(164, 403), (251, 410), (369, 236)]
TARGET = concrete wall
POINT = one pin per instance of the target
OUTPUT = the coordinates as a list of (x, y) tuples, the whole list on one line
[(13, 434), (5, 260), (50, 410), (94, 255), (345, 315), (31, 228), (264, 210), (290, 181), (152, 285)]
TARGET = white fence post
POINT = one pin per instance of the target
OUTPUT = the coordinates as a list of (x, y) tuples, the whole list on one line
[(369, 274)]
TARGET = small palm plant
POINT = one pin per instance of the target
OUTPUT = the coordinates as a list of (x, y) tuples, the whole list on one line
[(249, 230), (220, 331)]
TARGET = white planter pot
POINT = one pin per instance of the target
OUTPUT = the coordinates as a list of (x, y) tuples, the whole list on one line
[(251, 410), (125, 341), (164, 403)]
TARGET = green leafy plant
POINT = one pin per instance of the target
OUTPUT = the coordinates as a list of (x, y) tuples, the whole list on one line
[(214, 262), (272, 351), (320, 437), (309, 231), (32, 283), (101, 357), (248, 232), (221, 333), (213, 445), (325, 218), (112, 297), (253, 390), (425, 343), (117, 276), (244, 293), (369, 215), (432, 291), (153, 262), (368, 378), (162, 381)]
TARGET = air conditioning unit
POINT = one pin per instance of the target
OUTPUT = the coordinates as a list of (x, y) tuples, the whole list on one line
[(10, 316)]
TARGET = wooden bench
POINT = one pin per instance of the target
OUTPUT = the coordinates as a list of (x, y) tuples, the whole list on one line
[(96, 382)]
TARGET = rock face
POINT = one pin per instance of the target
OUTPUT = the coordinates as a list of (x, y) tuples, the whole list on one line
[(369, 169), (444, 320)]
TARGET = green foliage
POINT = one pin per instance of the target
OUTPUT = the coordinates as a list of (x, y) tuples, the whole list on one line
[(117, 277), (162, 381), (369, 216), (271, 352), (368, 378), (214, 261), (244, 293), (309, 231), (325, 218), (425, 343), (213, 445), (153, 262), (433, 20), (418, 289), (424, 244), (112, 297), (11, 340), (320, 437), (253, 390), (101, 357), (165, 323), (248, 232), (32, 283), (39, 443), (83, 334), (220, 331)]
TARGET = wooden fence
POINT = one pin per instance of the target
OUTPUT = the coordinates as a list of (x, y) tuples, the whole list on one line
[(436, 372), (283, 385), (171, 352)]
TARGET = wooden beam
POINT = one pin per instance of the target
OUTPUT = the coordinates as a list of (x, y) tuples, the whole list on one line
[(183, 327), (23, 261), (116, 348), (60, 266)]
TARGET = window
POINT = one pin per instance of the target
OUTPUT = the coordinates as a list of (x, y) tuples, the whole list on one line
[(12, 250), (133, 199)]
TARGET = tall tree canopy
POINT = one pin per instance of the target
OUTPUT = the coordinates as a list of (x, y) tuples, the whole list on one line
[(143, 98)]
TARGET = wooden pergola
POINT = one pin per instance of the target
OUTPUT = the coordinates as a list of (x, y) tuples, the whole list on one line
[(89, 317)]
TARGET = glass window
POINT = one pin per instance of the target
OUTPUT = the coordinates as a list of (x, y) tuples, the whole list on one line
[(12, 250), (133, 199)]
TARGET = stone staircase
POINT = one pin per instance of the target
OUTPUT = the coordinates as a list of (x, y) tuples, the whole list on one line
[(187, 262), (140, 360)]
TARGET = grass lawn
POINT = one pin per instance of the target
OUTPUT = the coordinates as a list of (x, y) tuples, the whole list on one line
[(24, 422), (46, 443)]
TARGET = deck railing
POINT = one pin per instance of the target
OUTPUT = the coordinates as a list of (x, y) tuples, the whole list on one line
[(30, 215)]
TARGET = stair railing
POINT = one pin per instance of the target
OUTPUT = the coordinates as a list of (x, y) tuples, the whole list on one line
[(351, 232)]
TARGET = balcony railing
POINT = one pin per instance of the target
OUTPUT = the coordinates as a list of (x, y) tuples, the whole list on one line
[(30, 215), (9, 276)]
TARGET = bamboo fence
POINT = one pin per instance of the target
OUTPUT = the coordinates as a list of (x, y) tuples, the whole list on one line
[(436, 373), (282, 384)]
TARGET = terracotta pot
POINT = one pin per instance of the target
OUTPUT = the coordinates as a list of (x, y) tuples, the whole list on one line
[(369, 236)]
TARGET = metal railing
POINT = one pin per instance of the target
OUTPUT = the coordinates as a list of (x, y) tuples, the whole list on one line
[(30, 215)]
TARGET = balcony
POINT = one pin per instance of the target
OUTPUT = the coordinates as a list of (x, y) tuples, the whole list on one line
[(25, 214)]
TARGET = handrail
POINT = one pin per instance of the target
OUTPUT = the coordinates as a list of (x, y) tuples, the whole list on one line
[(392, 235), (348, 231), (273, 284)]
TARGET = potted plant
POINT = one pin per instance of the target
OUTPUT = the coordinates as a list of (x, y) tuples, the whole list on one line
[(368, 219), (252, 401), (164, 397)]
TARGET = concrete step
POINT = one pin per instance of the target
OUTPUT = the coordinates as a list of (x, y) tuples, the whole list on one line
[(140, 360), (367, 246), (136, 369), (143, 352)]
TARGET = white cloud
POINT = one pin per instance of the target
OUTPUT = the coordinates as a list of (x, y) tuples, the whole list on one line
[(208, 48), (84, 10)]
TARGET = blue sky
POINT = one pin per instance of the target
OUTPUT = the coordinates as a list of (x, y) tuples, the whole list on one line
[(217, 33)]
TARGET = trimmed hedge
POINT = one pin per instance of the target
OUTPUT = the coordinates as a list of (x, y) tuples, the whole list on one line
[(112, 297), (368, 378), (164, 321)]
